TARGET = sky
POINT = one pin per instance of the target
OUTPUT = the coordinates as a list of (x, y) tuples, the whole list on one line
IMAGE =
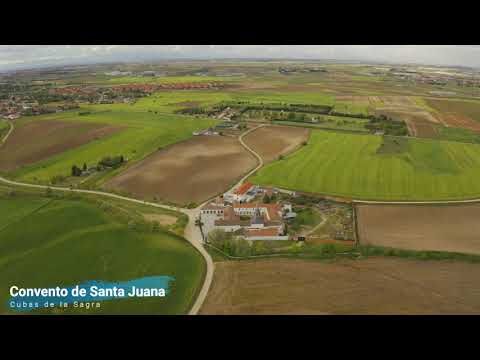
[(30, 56)]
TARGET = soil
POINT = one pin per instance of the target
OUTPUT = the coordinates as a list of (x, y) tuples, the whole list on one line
[(443, 228), (367, 286), (191, 171), (272, 141)]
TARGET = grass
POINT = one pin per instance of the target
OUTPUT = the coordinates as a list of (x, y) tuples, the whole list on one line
[(332, 251), (458, 134), (69, 241), (352, 166), (4, 127), (370, 250)]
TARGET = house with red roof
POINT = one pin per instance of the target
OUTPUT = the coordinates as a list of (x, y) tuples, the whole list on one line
[(242, 193)]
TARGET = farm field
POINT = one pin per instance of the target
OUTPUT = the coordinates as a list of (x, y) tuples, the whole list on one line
[(190, 171), (438, 228), (51, 138), (457, 113), (272, 141), (3, 126), (458, 134), (142, 133), (369, 286), (48, 242), (379, 168)]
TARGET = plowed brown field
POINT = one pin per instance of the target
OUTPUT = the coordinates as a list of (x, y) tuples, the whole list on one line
[(369, 286), (272, 141), (443, 228), (190, 171)]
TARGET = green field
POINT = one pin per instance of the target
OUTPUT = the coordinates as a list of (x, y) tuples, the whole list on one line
[(143, 133), (374, 167), (458, 134), (48, 242), (3, 125)]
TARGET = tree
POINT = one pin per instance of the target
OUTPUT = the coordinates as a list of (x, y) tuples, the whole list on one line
[(273, 198), (76, 171), (242, 248), (266, 199)]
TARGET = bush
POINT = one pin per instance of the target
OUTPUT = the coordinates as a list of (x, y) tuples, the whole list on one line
[(57, 179), (113, 162), (191, 205)]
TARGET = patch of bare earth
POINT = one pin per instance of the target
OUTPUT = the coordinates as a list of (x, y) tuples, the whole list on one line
[(193, 170), (368, 286), (459, 121), (272, 141), (452, 228), (39, 140)]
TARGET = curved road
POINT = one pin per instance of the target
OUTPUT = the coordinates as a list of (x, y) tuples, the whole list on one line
[(192, 232), (8, 134)]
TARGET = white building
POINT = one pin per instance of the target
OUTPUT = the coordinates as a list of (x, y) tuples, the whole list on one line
[(243, 193)]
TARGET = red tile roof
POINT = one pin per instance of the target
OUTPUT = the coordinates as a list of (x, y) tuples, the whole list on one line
[(242, 189), (263, 232)]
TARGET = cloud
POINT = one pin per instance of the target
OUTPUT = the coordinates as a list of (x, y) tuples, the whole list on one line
[(15, 56)]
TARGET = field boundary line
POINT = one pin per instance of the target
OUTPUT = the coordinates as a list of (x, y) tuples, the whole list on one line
[(249, 256)]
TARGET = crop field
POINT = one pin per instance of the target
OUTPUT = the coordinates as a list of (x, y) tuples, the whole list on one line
[(439, 228), (370, 286), (3, 125), (272, 141), (458, 134), (457, 113), (190, 171), (380, 168), (48, 242), (142, 133), (51, 138), (166, 79)]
